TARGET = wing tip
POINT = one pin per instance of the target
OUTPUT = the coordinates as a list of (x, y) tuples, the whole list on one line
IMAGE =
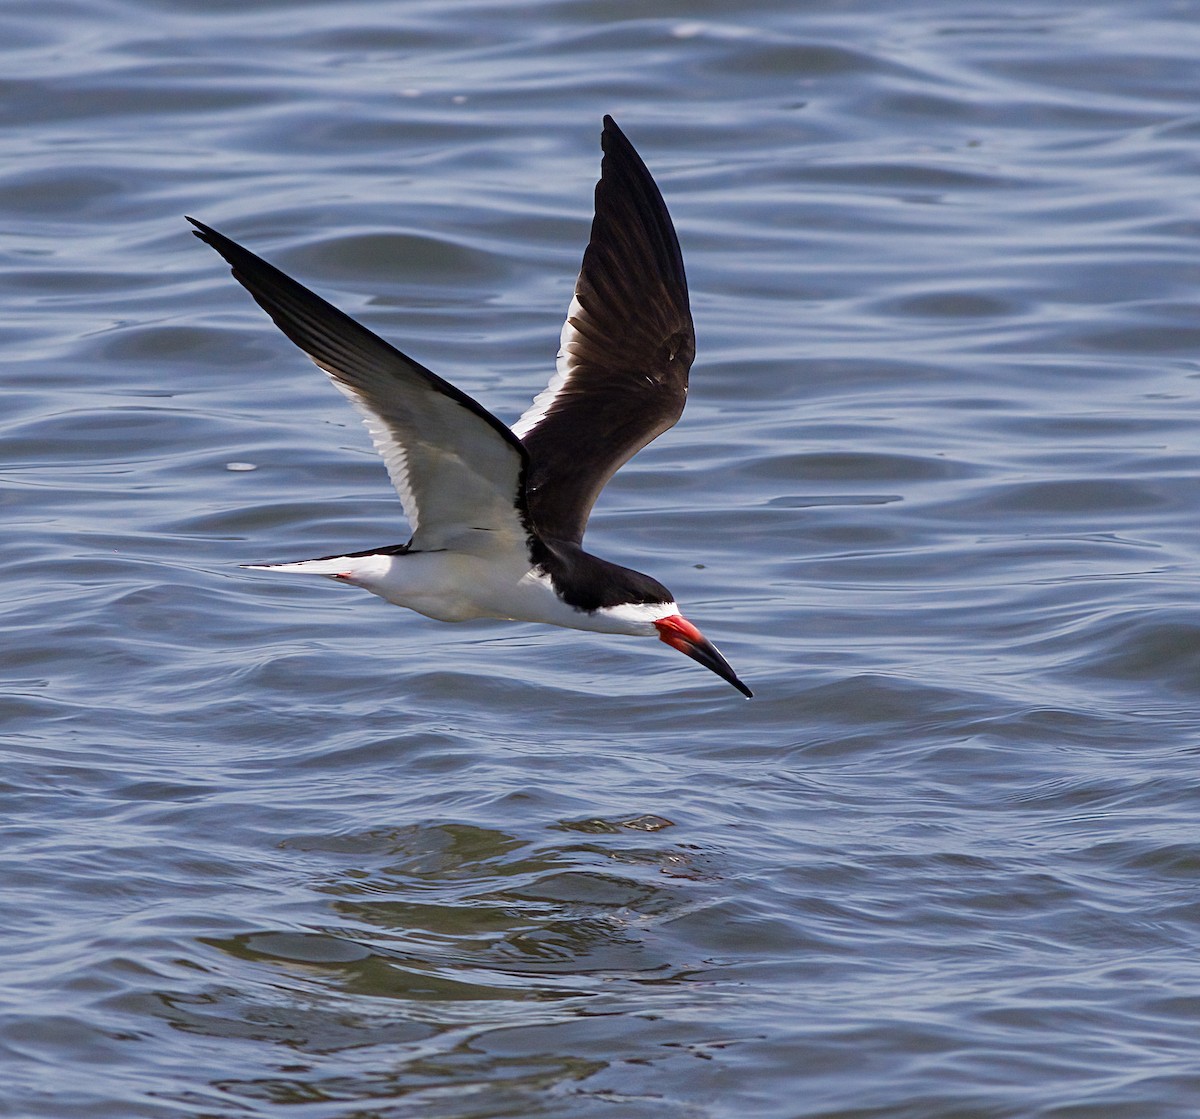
[(204, 232), (613, 139)]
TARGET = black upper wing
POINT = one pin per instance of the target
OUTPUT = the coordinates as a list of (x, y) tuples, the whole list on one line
[(627, 345)]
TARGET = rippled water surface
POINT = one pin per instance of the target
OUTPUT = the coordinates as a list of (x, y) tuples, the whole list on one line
[(274, 848)]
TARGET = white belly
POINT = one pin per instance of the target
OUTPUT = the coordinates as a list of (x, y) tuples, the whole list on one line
[(456, 587)]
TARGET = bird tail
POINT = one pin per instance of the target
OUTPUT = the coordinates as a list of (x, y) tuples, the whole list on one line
[(337, 567), (334, 566)]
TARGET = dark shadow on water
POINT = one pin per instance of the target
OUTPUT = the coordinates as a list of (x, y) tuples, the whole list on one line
[(456, 959)]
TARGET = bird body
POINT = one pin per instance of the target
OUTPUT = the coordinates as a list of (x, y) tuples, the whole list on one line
[(460, 586), (497, 514)]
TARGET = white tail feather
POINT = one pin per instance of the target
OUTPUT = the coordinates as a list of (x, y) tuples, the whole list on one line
[(333, 566)]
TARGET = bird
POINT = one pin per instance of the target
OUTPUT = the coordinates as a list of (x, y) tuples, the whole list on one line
[(497, 514)]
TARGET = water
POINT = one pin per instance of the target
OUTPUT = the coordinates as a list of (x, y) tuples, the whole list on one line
[(273, 848)]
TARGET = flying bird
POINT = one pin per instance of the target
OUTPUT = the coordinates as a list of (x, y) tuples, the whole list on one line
[(498, 514)]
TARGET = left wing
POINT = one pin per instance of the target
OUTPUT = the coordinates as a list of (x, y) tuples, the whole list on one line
[(458, 470)]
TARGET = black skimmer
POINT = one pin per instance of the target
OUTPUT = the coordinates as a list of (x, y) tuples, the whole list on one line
[(498, 515)]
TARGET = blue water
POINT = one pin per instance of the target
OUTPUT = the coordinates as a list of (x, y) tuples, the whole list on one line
[(274, 848)]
